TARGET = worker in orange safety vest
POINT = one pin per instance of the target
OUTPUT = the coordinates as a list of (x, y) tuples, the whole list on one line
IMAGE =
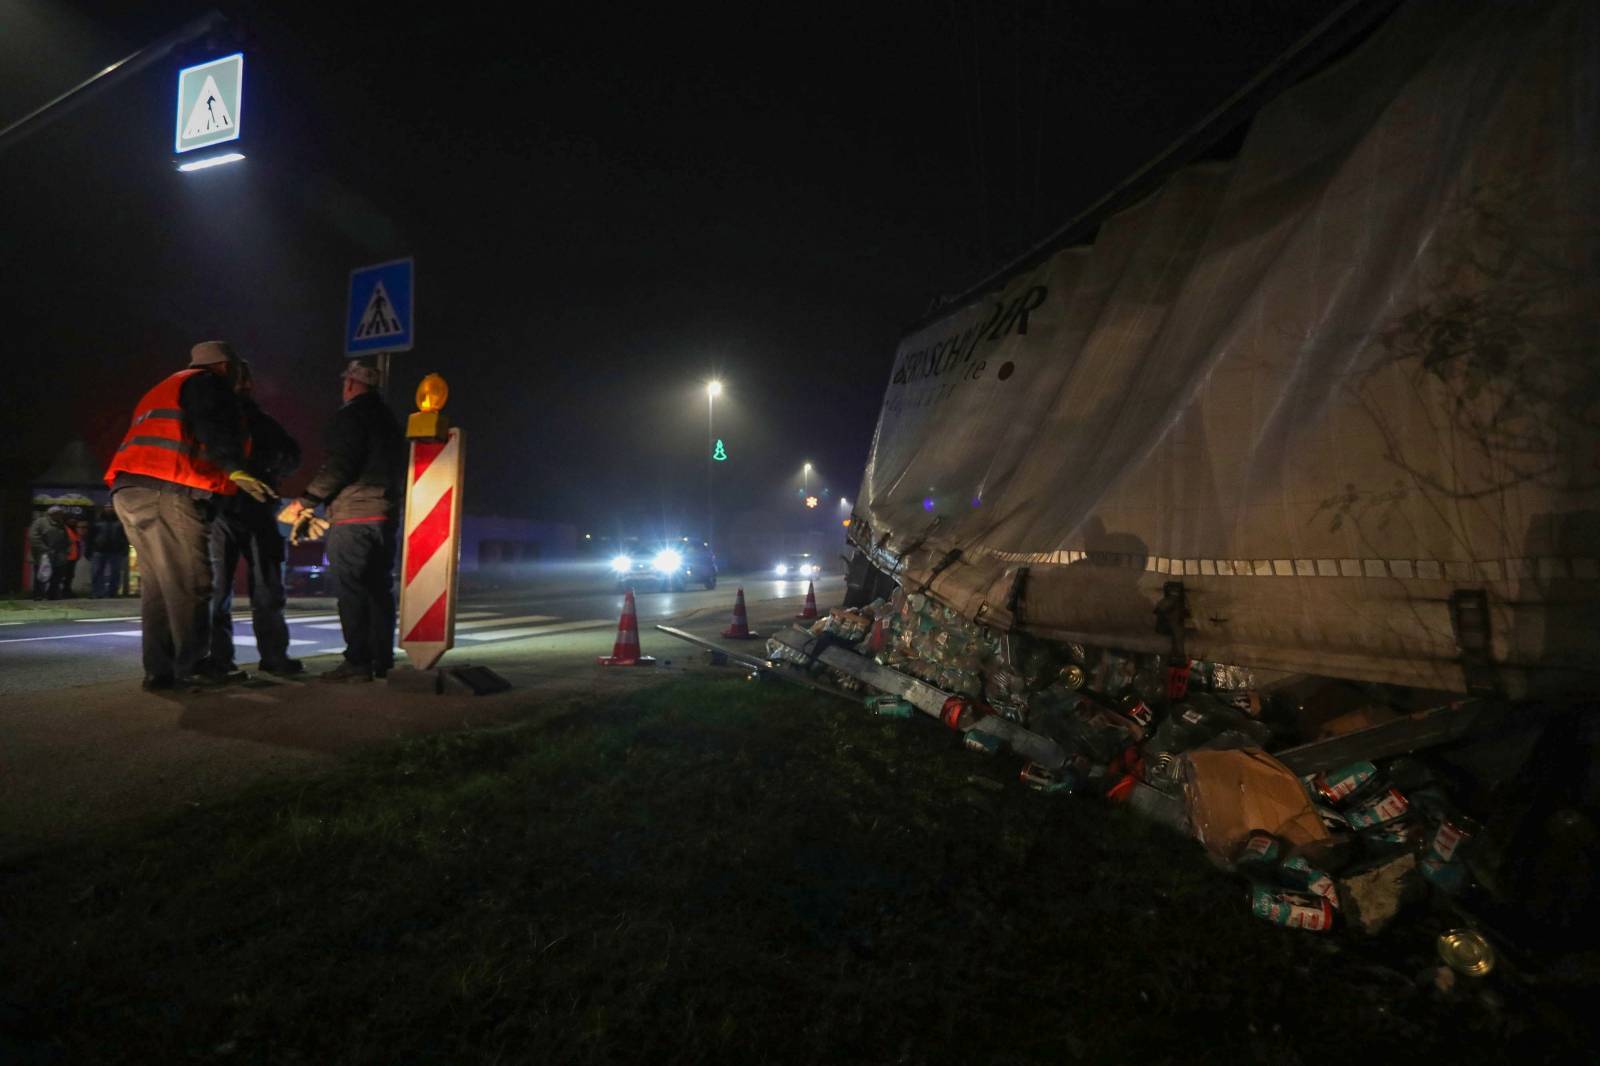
[(184, 448)]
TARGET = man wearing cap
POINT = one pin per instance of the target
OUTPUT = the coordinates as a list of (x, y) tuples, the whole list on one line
[(247, 528), (48, 540), (362, 481), (185, 449)]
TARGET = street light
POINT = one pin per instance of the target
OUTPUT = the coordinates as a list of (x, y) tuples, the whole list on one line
[(207, 164)]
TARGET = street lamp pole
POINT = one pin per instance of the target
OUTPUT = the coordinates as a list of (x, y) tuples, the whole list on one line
[(713, 390)]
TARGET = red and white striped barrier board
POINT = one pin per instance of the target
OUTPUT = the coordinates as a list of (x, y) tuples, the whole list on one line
[(431, 551)]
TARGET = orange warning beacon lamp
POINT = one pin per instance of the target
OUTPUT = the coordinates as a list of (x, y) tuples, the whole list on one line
[(428, 421)]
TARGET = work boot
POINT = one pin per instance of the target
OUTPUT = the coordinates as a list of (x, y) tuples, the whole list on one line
[(210, 674), (347, 671), (283, 667)]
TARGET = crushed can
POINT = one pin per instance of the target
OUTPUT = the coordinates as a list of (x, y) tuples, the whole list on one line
[(1120, 788), (1385, 808), (1178, 681), (886, 705), (1338, 787), (1402, 831), (958, 714), (1136, 710), (1447, 840), (1298, 872), (1331, 818), (1448, 877), (1247, 700), (1260, 851), (1467, 951), (1041, 779), (983, 743), (1292, 910)]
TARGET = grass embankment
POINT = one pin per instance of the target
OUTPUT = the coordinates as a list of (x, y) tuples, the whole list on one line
[(707, 870)]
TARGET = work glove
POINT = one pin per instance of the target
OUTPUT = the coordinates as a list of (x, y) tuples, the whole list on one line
[(307, 526), (257, 489)]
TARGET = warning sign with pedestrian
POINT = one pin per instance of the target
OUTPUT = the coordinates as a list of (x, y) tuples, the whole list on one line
[(210, 99), (378, 318)]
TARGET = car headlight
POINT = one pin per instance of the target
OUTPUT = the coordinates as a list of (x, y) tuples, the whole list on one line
[(622, 564), (781, 569), (667, 561)]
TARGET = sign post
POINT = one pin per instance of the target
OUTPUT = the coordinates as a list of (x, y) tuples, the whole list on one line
[(432, 539)]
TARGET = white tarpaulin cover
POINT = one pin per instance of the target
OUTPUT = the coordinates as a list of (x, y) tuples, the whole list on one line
[(1325, 385)]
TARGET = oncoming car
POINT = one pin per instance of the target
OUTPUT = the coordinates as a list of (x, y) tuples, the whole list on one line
[(670, 565), (802, 567)]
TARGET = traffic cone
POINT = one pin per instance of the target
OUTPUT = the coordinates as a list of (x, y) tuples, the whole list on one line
[(811, 603), (739, 628), (625, 652)]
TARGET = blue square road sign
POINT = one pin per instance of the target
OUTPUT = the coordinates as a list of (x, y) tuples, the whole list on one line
[(378, 316)]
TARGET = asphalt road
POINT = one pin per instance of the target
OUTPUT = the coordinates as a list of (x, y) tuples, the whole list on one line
[(505, 627)]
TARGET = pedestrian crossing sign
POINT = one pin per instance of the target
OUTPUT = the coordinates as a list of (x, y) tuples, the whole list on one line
[(378, 316), (210, 100)]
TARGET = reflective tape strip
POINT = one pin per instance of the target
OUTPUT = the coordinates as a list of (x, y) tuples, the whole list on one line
[(182, 447), (1545, 568), (159, 412)]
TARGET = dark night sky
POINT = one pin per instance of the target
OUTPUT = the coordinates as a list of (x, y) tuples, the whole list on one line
[(606, 206)]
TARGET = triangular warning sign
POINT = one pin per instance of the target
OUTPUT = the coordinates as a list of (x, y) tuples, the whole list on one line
[(210, 114), (379, 319)]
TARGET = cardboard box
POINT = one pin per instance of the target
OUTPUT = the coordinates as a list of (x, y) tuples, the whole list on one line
[(1230, 793)]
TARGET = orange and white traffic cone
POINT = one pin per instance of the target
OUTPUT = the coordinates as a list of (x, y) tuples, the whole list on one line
[(625, 652), (811, 603), (739, 628)]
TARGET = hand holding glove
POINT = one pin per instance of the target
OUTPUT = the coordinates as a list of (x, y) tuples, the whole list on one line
[(307, 526), (257, 489)]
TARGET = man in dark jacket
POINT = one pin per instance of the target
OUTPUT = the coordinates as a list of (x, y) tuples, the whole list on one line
[(363, 483), (184, 449), (247, 528), (108, 555), (48, 541)]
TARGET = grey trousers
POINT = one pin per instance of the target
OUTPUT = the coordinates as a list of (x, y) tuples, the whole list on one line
[(172, 534)]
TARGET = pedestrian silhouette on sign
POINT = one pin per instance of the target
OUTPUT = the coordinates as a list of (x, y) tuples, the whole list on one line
[(211, 116), (379, 320)]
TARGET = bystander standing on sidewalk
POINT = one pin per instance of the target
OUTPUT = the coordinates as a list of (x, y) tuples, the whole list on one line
[(108, 555), (48, 540), (69, 568)]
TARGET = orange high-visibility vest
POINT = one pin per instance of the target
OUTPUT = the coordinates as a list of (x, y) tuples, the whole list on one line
[(74, 544), (159, 445)]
